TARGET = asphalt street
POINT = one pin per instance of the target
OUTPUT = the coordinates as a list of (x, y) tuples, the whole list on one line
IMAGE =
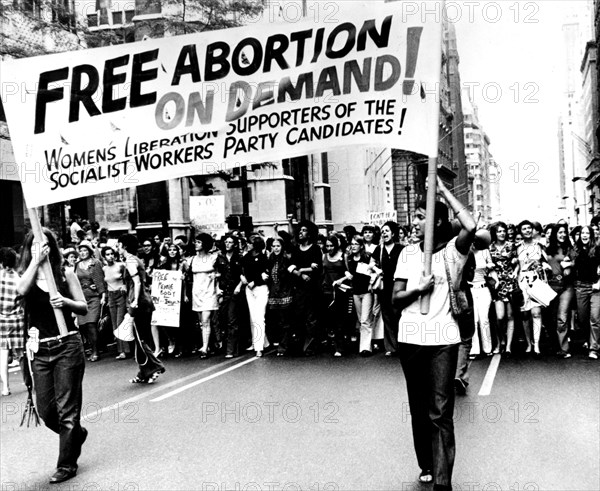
[(319, 424)]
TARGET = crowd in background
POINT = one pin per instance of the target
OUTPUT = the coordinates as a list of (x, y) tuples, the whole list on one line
[(309, 293)]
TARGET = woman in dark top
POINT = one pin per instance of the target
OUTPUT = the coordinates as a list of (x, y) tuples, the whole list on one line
[(255, 269), (229, 265), (335, 294), (358, 266), (307, 266), (383, 262), (559, 252), (280, 285), (587, 263), (59, 363), (140, 308)]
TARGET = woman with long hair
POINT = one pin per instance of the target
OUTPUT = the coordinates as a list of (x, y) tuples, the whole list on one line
[(587, 287), (173, 261), (12, 317), (91, 278), (229, 265), (335, 294), (139, 308), (504, 258), (532, 265), (559, 252), (255, 273), (358, 267), (428, 344), (280, 283), (114, 275), (202, 269), (59, 363)]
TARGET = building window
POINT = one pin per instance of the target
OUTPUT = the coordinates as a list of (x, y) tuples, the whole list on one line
[(149, 203), (327, 199), (324, 168), (32, 7)]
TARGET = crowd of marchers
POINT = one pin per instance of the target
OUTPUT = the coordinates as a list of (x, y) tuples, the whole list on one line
[(307, 293)]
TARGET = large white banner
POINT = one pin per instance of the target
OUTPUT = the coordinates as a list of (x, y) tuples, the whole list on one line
[(95, 120)]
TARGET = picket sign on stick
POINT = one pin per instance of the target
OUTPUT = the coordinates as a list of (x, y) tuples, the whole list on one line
[(432, 188), (38, 235), (429, 226)]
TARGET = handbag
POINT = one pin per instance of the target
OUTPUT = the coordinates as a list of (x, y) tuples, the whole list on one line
[(104, 321), (377, 283), (541, 292), (125, 330), (461, 308)]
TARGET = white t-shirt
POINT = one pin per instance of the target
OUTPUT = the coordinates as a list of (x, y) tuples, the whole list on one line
[(438, 327)]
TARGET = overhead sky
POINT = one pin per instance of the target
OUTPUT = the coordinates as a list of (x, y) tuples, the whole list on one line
[(514, 51)]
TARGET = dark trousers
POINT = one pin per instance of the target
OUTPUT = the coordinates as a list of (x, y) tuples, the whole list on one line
[(228, 318), (336, 318), (117, 306), (429, 373), (390, 322), (306, 305), (58, 369), (279, 326), (144, 356)]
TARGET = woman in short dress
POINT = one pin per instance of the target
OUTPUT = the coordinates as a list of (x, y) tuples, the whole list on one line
[(12, 317), (532, 262), (204, 286), (91, 277), (504, 257)]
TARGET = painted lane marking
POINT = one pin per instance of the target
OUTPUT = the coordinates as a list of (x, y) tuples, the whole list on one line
[(156, 389), (488, 381), (201, 381)]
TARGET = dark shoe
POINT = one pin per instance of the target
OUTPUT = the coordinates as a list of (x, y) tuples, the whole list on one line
[(365, 353), (460, 386), (62, 475)]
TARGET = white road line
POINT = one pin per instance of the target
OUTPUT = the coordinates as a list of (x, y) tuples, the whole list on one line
[(488, 381), (201, 381), (159, 388)]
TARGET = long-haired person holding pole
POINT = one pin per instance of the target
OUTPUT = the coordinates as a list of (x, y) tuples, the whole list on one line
[(428, 344), (59, 363)]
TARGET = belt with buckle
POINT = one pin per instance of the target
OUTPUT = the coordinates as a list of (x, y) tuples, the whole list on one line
[(57, 338)]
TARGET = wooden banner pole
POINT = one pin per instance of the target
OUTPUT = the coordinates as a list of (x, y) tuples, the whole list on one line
[(429, 226), (432, 177), (38, 235)]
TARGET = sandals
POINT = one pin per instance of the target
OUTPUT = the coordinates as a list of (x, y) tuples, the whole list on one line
[(426, 476), (151, 380)]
